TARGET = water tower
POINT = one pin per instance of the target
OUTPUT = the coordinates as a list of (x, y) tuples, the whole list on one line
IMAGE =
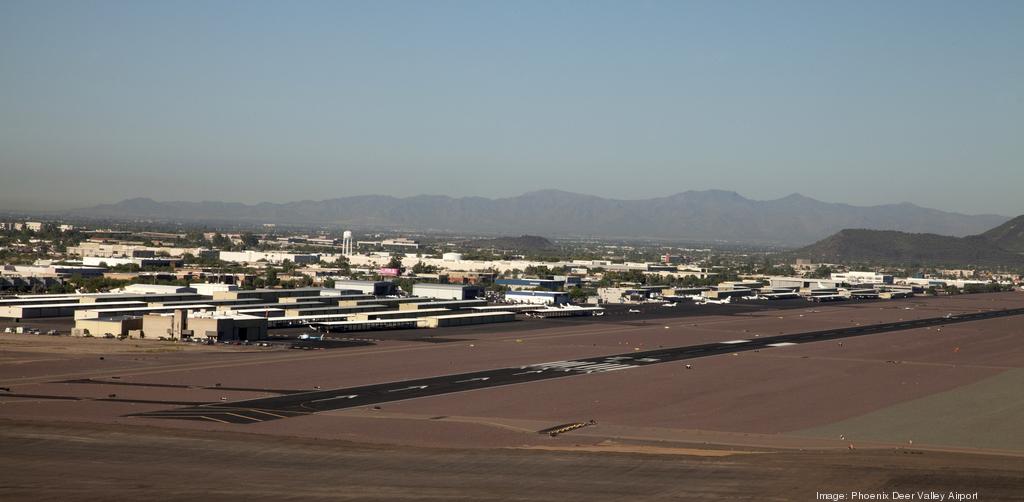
[(346, 243)]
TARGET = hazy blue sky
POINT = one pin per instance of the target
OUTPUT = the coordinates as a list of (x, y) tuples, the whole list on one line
[(860, 102)]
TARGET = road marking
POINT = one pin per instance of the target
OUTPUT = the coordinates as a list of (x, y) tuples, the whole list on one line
[(211, 418), (528, 372), (558, 364), (350, 396), (411, 387), (781, 344), (733, 342), (648, 360), (481, 379)]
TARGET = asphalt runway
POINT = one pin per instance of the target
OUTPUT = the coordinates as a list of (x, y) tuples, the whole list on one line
[(284, 406)]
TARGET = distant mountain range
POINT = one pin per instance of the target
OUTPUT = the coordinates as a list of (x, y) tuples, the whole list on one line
[(712, 215)]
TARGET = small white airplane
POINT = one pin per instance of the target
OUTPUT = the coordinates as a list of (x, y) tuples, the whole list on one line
[(673, 304), (306, 336), (709, 301)]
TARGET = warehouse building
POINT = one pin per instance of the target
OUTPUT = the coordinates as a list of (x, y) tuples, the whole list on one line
[(66, 309), (105, 311), (274, 305), (273, 294), (325, 300), (396, 314), (446, 291), (209, 325), (441, 321), (375, 288), (858, 277), (802, 283), (114, 326), (519, 284), (451, 304), (538, 297), (391, 302), (269, 257), (332, 310), (141, 297)]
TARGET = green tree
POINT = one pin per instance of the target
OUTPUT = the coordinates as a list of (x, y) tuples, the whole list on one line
[(249, 240)]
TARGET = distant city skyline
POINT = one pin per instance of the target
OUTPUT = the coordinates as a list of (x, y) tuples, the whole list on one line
[(862, 103)]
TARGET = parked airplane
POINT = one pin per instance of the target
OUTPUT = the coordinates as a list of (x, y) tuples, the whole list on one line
[(673, 304)]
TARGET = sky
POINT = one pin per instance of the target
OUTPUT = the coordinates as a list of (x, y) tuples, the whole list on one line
[(864, 102)]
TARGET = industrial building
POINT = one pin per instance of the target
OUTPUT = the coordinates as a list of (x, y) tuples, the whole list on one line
[(518, 284), (855, 277), (105, 311), (210, 325), (538, 297), (114, 326), (446, 291), (66, 309), (441, 321), (628, 294), (375, 288), (269, 257), (273, 294), (332, 310), (450, 304), (390, 302), (802, 283), (396, 314)]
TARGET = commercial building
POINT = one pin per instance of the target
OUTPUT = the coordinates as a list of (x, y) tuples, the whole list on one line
[(857, 277), (396, 314), (397, 243), (209, 289), (538, 297), (157, 289), (99, 311), (446, 291), (376, 288), (211, 325), (470, 277), (450, 304), (113, 326), (66, 309), (518, 284), (273, 294), (320, 310), (268, 257), (390, 302), (441, 321), (802, 283)]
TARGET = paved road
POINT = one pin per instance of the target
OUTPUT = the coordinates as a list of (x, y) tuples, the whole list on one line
[(284, 406)]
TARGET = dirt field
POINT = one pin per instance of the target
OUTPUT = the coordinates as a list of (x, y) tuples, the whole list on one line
[(103, 462)]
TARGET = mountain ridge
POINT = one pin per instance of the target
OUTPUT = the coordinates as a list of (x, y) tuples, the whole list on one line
[(707, 215), (903, 248)]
